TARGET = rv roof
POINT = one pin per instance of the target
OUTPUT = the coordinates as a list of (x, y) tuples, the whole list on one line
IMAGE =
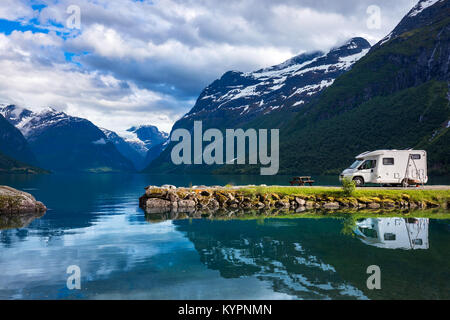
[(380, 152)]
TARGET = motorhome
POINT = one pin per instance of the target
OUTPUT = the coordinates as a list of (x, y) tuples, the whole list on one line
[(394, 233), (390, 167)]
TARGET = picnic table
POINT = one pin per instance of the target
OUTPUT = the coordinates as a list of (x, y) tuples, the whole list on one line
[(301, 181)]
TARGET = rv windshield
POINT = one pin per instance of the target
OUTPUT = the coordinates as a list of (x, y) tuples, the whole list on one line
[(356, 164)]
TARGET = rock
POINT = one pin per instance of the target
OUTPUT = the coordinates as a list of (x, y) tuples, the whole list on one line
[(15, 201), (331, 205), (310, 204), (186, 204), (221, 198), (275, 196), (157, 203), (168, 186), (260, 205), (300, 209), (282, 204), (387, 203), (373, 205), (172, 196), (214, 204), (205, 193), (300, 201), (155, 192)]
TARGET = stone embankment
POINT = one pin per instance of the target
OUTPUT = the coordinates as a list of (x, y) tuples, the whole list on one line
[(13, 201), (187, 200)]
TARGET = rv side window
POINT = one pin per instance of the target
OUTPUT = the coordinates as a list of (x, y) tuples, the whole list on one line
[(415, 157), (388, 161)]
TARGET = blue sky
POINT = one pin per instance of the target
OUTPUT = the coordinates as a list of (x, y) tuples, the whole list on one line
[(145, 62)]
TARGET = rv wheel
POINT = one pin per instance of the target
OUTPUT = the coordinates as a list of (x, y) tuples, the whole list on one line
[(405, 183), (359, 182)]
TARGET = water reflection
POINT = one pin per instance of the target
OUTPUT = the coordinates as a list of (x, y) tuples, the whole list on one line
[(17, 221), (394, 233), (274, 251), (95, 223)]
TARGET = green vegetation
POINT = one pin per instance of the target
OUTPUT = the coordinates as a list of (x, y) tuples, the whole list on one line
[(441, 197), (348, 187), (387, 101), (9, 165)]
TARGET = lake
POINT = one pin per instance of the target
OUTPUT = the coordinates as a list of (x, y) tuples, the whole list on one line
[(94, 223)]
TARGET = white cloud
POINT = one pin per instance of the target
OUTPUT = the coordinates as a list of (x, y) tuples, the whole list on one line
[(143, 62)]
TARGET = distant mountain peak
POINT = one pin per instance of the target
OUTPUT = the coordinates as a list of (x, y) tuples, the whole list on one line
[(424, 13), (421, 6), (290, 85), (149, 134)]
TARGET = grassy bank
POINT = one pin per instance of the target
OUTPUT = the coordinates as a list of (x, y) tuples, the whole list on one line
[(441, 197)]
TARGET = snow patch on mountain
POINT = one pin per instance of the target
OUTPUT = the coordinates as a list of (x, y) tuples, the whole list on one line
[(422, 5), (291, 84)]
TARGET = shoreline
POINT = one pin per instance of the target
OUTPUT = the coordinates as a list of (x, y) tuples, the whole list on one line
[(196, 199)]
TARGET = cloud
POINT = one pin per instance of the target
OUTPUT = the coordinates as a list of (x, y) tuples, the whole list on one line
[(145, 62)]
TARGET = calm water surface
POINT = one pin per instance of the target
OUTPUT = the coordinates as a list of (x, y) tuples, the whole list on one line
[(94, 222)]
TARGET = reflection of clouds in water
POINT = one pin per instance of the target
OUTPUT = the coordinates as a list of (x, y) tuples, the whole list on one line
[(110, 244), (294, 272)]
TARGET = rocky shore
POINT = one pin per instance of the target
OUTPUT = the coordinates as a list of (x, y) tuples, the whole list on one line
[(13, 201), (169, 199)]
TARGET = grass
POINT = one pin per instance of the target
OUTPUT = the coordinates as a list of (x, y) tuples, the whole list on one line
[(439, 196)]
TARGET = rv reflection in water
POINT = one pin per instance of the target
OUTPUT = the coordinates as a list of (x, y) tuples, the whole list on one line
[(394, 233)]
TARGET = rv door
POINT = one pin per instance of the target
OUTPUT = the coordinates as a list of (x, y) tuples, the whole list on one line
[(367, 170)]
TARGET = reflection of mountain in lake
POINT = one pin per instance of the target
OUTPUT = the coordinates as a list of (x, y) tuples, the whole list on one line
[(279, 258), (394, 233), (312, 259)]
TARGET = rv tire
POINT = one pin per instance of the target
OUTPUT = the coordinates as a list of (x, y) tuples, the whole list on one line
[(359, 181)]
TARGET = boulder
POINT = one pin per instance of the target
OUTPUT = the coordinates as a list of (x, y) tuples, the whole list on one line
[(331, 205), (300, 201), (157, 203), (373, 205), (14, 201), (186, 204)]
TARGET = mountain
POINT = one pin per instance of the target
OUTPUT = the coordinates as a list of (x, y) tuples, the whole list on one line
[(149, 135), (148, 141), (13, 144), (271, 95), (65, 143), (126, 148), (237, 98), (396, 97), (15, 153)]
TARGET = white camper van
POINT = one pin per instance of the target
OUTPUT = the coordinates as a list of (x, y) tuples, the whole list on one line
[(392, 167), (394, 233)]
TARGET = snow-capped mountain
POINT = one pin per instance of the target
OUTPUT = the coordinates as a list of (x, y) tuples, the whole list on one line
[(13, 144), (146, 137), (239, 97), (421, 15), (135, 151), (65, 143), (146, 141)]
